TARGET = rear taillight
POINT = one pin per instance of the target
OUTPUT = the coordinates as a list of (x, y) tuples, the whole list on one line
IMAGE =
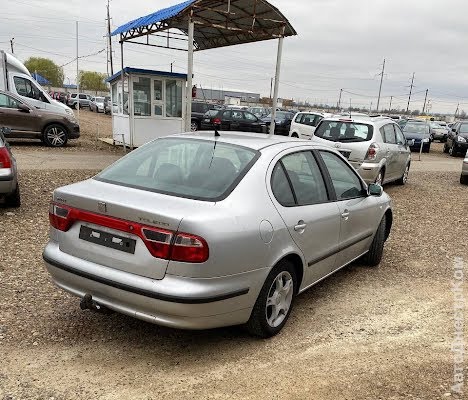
[(60, 217), (216, 121), (372, 152), (189, 248), (5, 159), (161, 243)]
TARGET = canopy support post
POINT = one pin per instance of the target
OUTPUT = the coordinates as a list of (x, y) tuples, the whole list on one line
[(276, 87), (188, 114)]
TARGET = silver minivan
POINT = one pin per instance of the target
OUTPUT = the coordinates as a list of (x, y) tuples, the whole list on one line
[(376, 147)]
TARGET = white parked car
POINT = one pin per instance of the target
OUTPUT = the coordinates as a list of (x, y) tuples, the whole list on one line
[(304, 124)]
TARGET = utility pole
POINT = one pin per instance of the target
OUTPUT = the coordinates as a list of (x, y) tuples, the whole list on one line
[(381, 81), (77, 75), (391, 99), (410, 93), (109, 38), (370, 108), (339, 100), (11, 44), (425, 100), (456, 111), (271, 87)]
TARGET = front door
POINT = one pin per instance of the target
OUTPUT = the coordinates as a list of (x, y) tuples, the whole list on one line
[(358, 211), (19, 121), (303, 202)]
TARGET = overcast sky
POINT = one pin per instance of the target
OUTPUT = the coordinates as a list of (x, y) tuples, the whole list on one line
[(340, 44)]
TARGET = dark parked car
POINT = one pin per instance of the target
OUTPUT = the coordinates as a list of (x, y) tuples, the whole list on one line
[(232, 120), (28, 122), (457, 140), (9, 188), (417, 132), (199, 109), (283, 121)]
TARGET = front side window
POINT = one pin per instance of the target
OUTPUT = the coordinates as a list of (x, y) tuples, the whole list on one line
[(7, 101), (346, 183), (250, 117), (25, 88), (464, 128), (195, 169), (174, 98)]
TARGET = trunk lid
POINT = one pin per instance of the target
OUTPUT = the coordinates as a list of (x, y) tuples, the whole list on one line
[(85, 240), (355, 152)]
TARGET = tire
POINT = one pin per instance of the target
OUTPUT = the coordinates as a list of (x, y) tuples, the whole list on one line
[(194, 126), (55, 135), (380, 177), (464, 179), (262, 322), (14, 199), (446, 149), (453, 150), (402, 181), (374, 256), (426, 149)]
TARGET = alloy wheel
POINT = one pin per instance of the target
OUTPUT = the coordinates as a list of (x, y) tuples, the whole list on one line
[(405, 175), (56, 136), (279, 299)]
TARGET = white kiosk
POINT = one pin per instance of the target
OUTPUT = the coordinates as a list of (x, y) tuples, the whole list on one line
[(154, 105)]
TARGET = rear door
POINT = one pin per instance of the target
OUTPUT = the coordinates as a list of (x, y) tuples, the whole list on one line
[(303, 202), (358, 212), (404, 153), (391, 151)]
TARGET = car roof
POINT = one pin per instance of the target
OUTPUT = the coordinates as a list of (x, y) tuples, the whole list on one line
[(362, 119), (254, 141)]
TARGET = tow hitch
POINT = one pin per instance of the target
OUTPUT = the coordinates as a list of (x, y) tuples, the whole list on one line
[(87, 303)]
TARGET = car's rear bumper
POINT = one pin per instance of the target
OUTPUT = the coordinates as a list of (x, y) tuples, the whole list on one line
[(368, 171), (174, 301)]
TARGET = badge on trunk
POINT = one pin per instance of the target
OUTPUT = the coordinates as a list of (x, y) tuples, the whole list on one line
[(102, 207)]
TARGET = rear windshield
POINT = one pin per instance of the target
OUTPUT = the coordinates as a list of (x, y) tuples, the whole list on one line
[(343, 131), (411, 127), (195, 169)]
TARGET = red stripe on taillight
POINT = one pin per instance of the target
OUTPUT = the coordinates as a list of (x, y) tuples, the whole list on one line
[(217, 121), (161, 243), (5, 159)]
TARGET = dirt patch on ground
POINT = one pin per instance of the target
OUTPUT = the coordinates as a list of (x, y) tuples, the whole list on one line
[(382, 333)]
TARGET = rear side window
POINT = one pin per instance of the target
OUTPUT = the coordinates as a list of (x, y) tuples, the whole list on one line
[(344, 131), (388, 134), (299, 176), (7, 101), (464, 128), (195, 169), (345, 182)]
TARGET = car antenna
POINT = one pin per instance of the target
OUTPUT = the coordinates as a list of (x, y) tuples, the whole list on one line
[(217, 135)]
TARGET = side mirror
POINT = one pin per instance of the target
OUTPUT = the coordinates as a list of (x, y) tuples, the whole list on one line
[(23, 108), (374, 189), (410, 143)]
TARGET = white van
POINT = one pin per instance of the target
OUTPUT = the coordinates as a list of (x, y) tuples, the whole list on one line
[(15, 78)]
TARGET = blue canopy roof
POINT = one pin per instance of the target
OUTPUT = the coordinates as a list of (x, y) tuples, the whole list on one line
[(40, 79), (140, 71), (217, 23), (158, 16)]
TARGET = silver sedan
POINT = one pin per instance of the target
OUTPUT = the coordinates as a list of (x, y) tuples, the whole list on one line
[(464, 174), (195, 231)]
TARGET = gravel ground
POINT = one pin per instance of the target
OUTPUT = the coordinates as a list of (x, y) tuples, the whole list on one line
[(381, 333)]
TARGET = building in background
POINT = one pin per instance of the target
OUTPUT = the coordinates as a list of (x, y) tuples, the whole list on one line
[(220, 95)]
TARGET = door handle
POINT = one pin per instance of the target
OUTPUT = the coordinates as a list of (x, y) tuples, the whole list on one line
[(345, 215), (300, 226)]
